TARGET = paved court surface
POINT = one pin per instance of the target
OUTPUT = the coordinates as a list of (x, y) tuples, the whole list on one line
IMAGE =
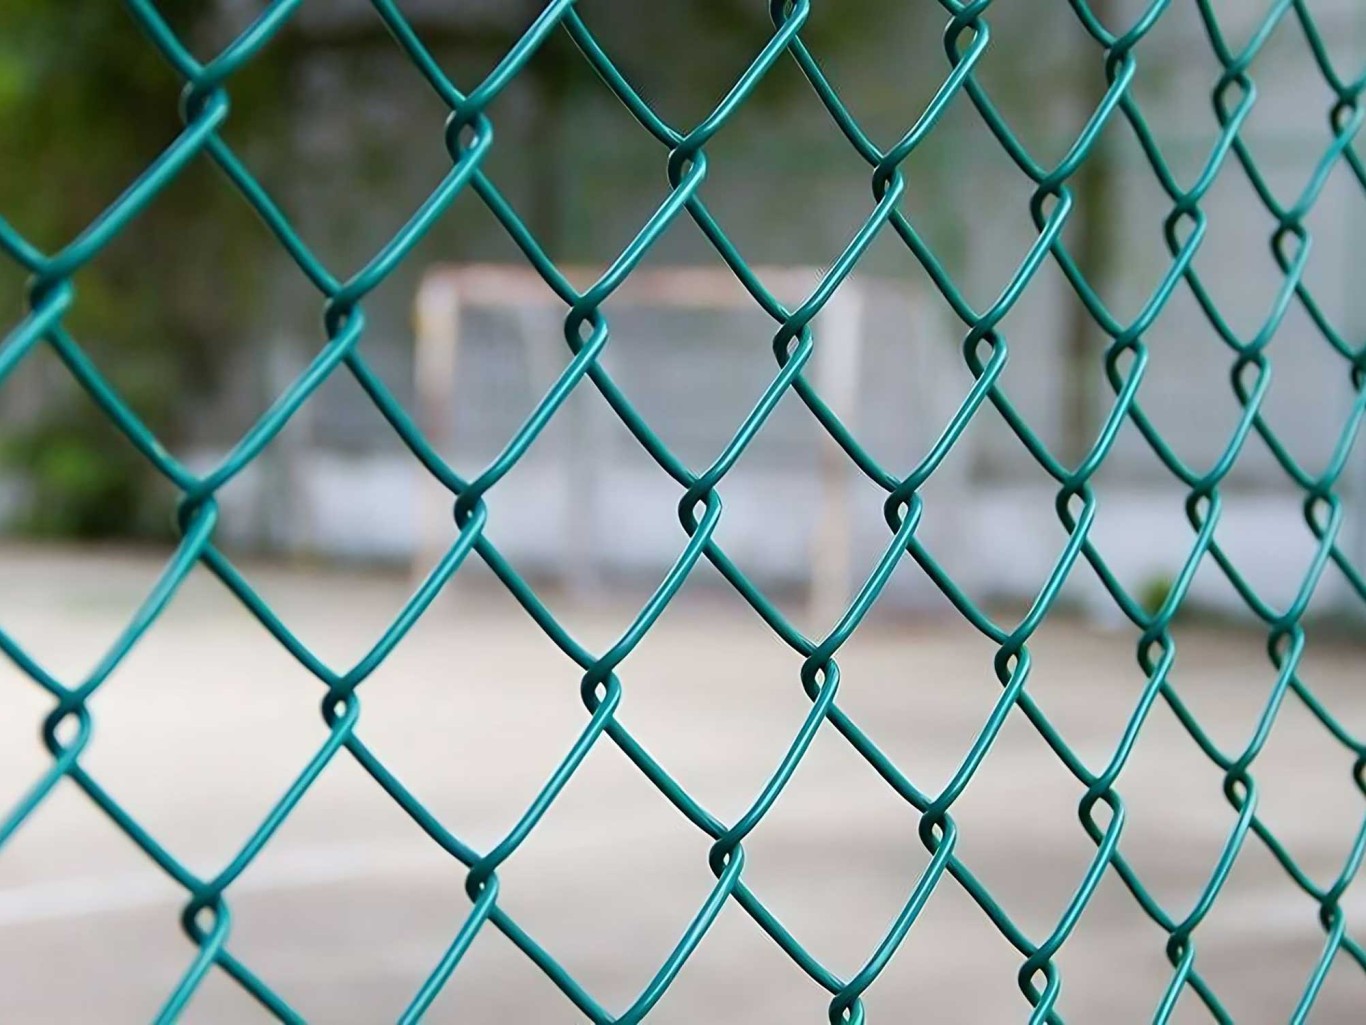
[(349, 908)]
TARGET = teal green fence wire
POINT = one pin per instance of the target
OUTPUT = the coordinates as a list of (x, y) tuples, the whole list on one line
[(469, 136)]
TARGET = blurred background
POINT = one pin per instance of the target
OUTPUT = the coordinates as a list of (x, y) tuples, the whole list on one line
[(200, 320)]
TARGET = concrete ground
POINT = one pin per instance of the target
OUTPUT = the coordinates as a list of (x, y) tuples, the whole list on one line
[(350, 906)]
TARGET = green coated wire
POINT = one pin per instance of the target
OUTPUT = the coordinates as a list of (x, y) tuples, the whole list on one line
[(469, 136)]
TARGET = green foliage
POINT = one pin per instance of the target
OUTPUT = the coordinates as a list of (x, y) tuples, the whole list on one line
[(1154, 591), (77, 487), (86, 103)]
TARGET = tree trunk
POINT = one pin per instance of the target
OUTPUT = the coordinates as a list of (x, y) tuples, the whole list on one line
[(1093, 237)]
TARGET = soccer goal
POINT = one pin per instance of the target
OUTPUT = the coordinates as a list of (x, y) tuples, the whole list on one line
[(486, 334)]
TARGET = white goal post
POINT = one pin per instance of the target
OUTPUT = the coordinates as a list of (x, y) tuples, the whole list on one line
[(448, 293)]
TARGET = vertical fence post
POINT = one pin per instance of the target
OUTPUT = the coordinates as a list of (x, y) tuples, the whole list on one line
[(434, 362), (837, 362)]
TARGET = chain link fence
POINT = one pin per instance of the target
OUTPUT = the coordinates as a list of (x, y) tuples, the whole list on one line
[(470, 134)]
